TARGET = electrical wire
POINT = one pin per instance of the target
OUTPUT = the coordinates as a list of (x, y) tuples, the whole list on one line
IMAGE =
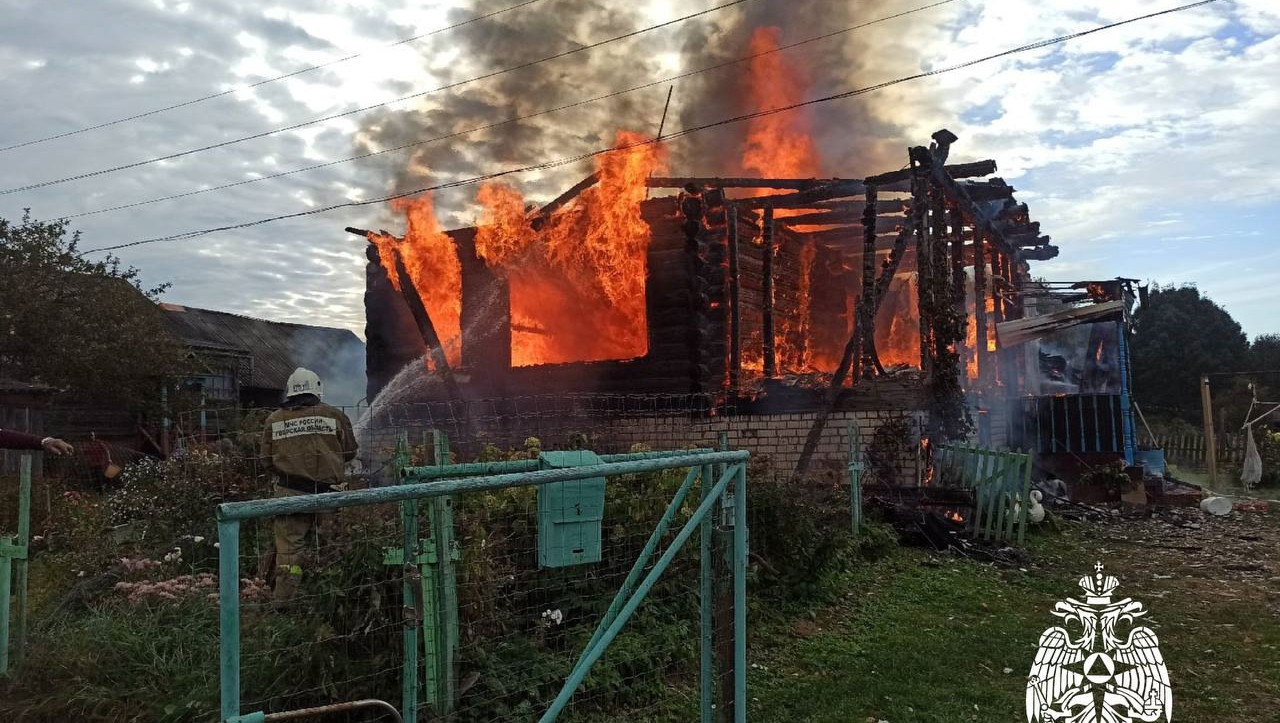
[(294, 74), (678, 134), (354, 111), (517, 119)]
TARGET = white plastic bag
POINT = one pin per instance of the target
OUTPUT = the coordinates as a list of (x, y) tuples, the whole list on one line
[(1251, 474)]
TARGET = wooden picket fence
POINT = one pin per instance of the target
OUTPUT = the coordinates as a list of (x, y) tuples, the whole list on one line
[(1189, 450)]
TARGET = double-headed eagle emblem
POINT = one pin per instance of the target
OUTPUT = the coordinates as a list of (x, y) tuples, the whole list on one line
[(1098, 676)]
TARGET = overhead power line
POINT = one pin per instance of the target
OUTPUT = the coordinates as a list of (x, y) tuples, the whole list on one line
[(509, 121), (678, 134), (334, 116), (250, 86)]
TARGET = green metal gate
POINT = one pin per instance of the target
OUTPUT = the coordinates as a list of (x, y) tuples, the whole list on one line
[(1001, 482), (429, 582)]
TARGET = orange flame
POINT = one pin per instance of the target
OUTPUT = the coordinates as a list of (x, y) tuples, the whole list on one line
[(898, 326), (431, 259), (991, 326), (793, 345), (590, 256), (779, 145)]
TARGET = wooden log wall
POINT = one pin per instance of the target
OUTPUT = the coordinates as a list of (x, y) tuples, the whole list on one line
[(391, 336), (486, 313), (756, 290), (791, 298), (768, 329)]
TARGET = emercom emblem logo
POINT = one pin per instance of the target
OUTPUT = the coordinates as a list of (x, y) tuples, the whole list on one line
[(1100, 675)]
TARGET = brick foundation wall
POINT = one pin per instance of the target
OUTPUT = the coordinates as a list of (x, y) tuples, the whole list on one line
[(777, 438)]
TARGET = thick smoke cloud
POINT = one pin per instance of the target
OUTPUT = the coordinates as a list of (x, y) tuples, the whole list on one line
[(846, 134), (508, 40), (844, 131)]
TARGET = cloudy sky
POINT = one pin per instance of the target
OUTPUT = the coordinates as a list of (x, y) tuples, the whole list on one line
[(1148, 151)]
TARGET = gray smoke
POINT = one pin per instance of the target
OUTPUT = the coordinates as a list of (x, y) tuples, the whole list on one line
[(511, 39), (847, 135)]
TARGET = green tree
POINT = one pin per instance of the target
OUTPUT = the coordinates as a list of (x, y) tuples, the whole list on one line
[(1179, 335), (84, 326), (1264, 353)]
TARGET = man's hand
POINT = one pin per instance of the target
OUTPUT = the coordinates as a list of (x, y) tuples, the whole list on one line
[(53, 445)]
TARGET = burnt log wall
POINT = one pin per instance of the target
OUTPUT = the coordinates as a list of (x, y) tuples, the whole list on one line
[(391, 336)]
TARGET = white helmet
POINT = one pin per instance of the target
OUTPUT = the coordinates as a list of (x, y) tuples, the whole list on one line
[(302, 381)]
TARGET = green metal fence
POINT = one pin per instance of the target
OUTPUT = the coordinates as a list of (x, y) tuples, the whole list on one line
[(567, 486), (1001, 482)]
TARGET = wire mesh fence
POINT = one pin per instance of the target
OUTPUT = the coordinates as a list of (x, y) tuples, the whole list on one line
[(126, 555)]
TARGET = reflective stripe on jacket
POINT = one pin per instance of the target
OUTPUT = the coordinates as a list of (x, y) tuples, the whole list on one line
[(309, 444)]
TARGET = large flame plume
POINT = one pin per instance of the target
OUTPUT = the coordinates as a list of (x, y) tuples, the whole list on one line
[(432, 262), (779, 145), (590, 256)]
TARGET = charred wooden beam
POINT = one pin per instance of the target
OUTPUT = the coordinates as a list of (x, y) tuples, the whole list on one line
[(883, 224), (1012, 211), (940, 294), (867, 322), (1007, 228), (1025, 240), (850, 236), (959, 278), (980, 303), (720, 182), (735, 301), (994, 190), (960, 170), (564, 198), (841, 204), (767, 325), (1041, 253), (835, 189), (425, 327), (823, 218), (922, 203)]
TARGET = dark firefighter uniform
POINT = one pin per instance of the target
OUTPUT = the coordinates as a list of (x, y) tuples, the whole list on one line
[(306, 444)]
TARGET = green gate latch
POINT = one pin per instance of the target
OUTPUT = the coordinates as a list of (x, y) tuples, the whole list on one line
[(570, 514)]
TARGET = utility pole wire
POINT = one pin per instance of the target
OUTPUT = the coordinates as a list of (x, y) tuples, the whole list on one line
[(250, 86), (344, 114), (678, 134), (516, 119)]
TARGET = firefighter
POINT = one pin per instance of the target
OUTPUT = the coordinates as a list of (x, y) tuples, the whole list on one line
[(306, 444)]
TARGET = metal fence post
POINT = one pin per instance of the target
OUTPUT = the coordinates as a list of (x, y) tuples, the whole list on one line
[(444, 582), (706, 593), (722, 597), (1026, 497), (6, 572), (855, 476), (229, 615), (409, 589), (13, 570), (740, 542), (20, 566)]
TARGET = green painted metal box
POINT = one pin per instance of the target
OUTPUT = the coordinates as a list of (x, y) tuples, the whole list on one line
[(570, 514)]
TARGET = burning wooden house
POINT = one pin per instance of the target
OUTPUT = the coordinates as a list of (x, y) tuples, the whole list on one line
[(792, 298)]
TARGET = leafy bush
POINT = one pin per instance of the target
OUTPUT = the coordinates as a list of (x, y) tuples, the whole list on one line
[(802, 537), (178, 495)]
